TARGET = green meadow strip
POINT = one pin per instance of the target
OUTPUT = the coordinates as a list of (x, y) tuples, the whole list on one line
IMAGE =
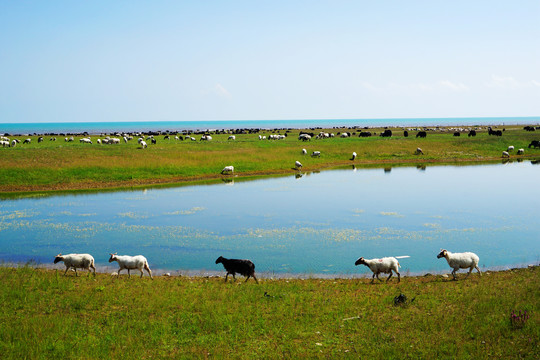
[(60, 165), (45, 314)]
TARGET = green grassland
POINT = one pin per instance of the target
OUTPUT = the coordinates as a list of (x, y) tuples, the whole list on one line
[(61, 165), (47, 315)]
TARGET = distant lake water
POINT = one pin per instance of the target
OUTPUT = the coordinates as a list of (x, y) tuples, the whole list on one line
[(319, 223), (173, 126)]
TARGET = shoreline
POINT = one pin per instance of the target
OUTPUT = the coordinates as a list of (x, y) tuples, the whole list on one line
[(164, 127), (29, 191), (362, 273)]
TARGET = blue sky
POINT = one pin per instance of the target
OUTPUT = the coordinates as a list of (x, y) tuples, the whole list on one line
[(248, 60)]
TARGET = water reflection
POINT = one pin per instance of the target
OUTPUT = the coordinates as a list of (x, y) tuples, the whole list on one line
[(320, 224)]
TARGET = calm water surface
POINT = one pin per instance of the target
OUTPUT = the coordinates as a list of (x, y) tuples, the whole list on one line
[(319, 223)]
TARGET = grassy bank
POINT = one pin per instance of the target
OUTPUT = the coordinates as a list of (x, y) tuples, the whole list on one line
[(61, 165), (47, 315)]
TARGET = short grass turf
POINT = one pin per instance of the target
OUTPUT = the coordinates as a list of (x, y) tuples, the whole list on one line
[(45, 315)]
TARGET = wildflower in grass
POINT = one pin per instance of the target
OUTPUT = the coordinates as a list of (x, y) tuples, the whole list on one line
[(519, 320)]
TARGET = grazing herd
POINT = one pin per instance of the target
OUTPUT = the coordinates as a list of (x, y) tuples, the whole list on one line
[(144, 140), (244, 267)]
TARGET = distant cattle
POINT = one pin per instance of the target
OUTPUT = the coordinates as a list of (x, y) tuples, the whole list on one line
[(472, 133)]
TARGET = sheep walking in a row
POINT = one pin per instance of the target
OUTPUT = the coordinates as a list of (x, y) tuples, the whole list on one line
[(76, 261), (138, 262), (86, 262), (466, 260), (241, 266), (385, 265)]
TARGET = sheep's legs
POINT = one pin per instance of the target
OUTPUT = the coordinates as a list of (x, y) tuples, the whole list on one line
[(398, 277), (76, 272), (226, 276), (477, 268), (92, 267), (142, 272), (119, 272), (454, 274), (65, 272), (147, 268), (253, 276), (129, 273)]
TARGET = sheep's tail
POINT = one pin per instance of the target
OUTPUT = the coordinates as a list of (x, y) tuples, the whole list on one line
[(401, 257)]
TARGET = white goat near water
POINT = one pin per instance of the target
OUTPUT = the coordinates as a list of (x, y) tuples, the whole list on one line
[(461, 261), (385, 265), (81, 261), (131, 263)]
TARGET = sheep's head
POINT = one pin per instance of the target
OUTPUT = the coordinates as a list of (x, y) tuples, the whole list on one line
[(442, 254), (220, 260), (113, 257), (360, 261), (58, 258)]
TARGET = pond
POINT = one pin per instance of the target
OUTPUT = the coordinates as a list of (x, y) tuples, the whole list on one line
[(314, 224)]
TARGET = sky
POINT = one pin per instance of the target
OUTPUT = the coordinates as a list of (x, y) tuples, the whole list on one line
[(81, 61)]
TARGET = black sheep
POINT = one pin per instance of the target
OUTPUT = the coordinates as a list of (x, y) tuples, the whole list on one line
[(242, 267)]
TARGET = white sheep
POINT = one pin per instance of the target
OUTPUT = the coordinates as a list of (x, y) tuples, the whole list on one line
[(4, 143), (143, 144), (521, 151), (228, 169), (461, 261), (419, 151), (384, 265), (131, 263), (505, 154), (510, 148), (81, 261), (353, 156), (13, 143), (316, 153), (231, 137), (297, 164), (304, 151)]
